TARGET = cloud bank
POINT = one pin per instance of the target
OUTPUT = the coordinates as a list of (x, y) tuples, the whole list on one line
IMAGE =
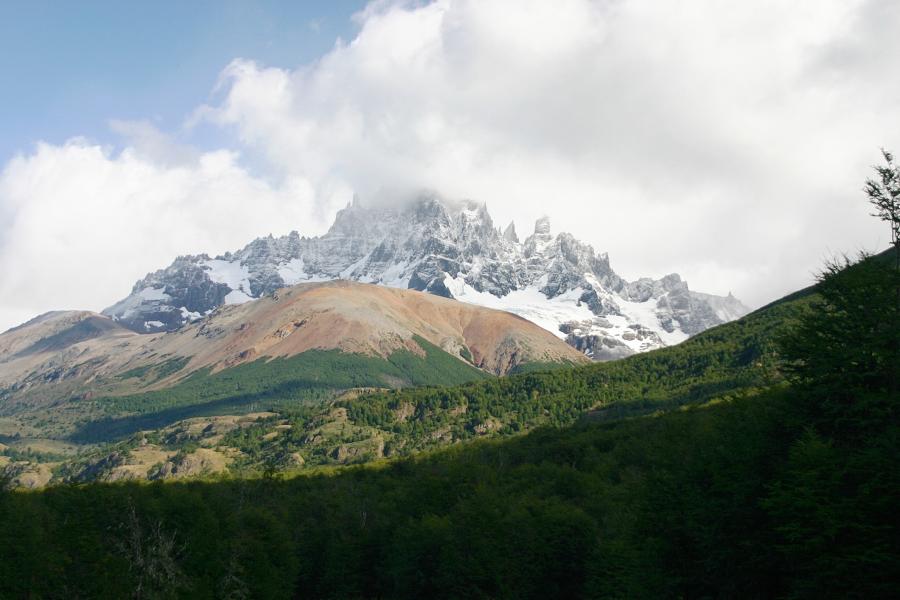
[(728, 142), (80, 223)]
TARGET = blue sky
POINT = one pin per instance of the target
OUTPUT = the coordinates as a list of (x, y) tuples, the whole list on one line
[(70, 67)]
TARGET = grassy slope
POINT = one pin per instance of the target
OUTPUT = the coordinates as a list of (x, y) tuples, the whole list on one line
[(312, 375)]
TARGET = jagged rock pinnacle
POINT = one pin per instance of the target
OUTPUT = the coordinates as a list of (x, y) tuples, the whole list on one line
[(542, 226), (509, 234)]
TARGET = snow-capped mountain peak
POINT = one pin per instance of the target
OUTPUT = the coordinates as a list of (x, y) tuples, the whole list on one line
[(451, 249)]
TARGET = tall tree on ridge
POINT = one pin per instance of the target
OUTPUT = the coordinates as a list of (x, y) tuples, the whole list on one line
[(884, 194), (845, 353)]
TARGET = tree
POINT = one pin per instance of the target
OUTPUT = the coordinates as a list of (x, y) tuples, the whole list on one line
[(152, 555), (884, 195), (844, 355)]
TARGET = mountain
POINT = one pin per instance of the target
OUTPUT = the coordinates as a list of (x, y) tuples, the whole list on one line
[(309, 337), (449, 249), (365, 319)]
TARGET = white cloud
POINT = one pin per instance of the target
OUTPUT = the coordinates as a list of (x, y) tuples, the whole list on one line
[(149, 143), (80, 224), (726, 141)]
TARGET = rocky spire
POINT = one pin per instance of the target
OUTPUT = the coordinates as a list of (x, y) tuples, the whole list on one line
[(509, 234), (540, 239)]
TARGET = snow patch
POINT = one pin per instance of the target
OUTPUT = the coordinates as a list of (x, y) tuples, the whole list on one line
[(237, 297), (134, 303), (190, 316), (395, 276), (528, 303), (549, 313), (233, 274), (294, 272), (646, 314)]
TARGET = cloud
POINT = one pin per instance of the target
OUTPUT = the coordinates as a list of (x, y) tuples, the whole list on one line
[(315, 25), (80, 223), (728, 142), (149, 143)]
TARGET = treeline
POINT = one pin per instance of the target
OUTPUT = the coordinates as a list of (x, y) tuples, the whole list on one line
[(737, 355), (302, 389)]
